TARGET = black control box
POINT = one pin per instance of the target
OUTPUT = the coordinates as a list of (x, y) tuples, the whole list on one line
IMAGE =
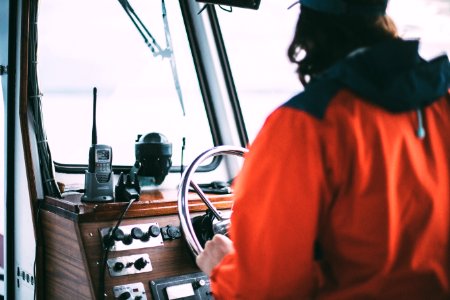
[(194, 286)]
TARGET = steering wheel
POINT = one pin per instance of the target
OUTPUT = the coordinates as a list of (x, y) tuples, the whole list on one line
[(183, 190)]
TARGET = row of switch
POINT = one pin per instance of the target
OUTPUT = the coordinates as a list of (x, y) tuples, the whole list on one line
[(131, 264), (139, 264), (129, 237), (138, 236), (136, 233)]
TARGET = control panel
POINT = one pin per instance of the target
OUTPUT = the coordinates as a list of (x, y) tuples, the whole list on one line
[(131, 237), (131, 264), (132, 246), (91, 254), (191, 286)]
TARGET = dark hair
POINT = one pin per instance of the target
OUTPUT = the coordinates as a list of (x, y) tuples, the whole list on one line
[(326, 38)]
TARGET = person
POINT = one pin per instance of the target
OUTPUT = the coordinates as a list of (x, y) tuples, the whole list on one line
[(345, 192)]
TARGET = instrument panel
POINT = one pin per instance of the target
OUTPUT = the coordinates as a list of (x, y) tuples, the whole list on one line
[(86, 250)]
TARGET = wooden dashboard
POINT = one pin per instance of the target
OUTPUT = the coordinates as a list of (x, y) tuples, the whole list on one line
[(143, 263)]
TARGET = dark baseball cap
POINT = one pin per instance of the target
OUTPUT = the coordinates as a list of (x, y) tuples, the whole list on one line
[(346, 7)]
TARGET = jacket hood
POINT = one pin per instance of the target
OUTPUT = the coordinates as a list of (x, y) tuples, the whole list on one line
[(393, 75)]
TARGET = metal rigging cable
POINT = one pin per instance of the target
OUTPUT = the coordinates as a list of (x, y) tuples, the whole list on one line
[(153, 44)]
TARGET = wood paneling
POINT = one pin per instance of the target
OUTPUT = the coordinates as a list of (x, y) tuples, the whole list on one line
[(65, 267)]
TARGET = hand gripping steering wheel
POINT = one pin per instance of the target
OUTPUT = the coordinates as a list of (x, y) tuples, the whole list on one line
[(183, 190)]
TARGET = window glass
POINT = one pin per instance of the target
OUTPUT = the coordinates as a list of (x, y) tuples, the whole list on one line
[(85, 44), (263, 75), (427, 20)]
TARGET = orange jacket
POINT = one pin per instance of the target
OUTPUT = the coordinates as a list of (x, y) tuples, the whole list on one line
[(340, 199)]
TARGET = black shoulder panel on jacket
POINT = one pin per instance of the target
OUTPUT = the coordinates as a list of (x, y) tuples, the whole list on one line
[(315, 98), (391, 75)]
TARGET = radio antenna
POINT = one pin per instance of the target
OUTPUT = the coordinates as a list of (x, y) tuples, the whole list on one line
[(94, 121)]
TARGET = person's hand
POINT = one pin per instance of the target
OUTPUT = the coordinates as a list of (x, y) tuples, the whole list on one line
[(213, 253)]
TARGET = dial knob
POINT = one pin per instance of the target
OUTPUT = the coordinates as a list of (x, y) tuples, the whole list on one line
[(199, 283), (125, 296), (118, 266), (128, 239), (140, 263), (154, 231), (173, 232), (118, 235), (137, 233)]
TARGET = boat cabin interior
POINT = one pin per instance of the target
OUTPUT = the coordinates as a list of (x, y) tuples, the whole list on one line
[(124, 124)]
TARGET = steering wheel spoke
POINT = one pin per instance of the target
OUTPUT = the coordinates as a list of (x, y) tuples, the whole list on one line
[(205, 199), (222, 222)]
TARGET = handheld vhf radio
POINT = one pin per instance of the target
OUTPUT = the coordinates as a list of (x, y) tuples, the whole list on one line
[(98, 182)]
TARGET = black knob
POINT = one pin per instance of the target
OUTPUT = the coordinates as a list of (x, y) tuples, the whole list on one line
[(145, 237), (118, 234), (154, 231), (137, 233), (125, 296), (140, 263), (128, 239), (173, 232), (118, 266), (199, 283)]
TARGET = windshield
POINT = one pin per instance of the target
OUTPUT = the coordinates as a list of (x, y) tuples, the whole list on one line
[(141, 88), (263, 75), (138, 92)]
